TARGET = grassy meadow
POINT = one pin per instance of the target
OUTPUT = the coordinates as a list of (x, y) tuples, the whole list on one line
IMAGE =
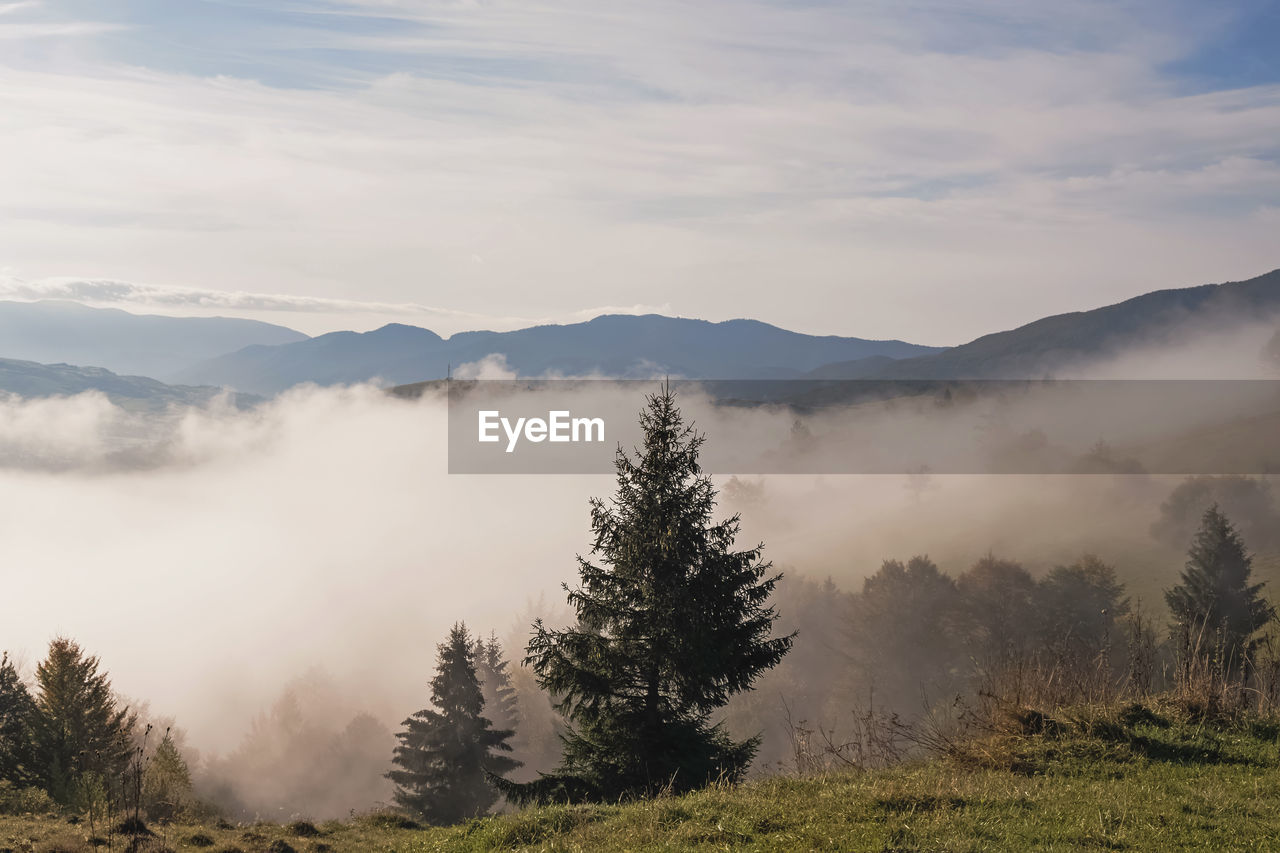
[(1126, 778)]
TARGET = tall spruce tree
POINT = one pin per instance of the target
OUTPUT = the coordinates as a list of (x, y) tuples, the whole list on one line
[(670, 625), (79, 728), (1216, 610), (447, 754), (17, 718)]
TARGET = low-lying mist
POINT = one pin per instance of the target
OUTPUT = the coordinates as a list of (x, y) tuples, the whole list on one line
[(276, 579)]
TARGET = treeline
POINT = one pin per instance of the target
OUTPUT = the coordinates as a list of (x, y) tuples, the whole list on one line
[(916, 642)]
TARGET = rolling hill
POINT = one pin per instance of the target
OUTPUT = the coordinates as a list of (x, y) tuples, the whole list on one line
[(138, 393), (611, 345), (148, 345), (1051, 345)]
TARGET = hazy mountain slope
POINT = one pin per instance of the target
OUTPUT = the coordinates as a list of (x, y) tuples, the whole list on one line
[(858, 368), (29, 379), (613, 345), (1049, 345), (335, 358), (51, 332)]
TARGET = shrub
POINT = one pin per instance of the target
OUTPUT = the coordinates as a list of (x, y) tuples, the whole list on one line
[(303, 829), (18, 801)]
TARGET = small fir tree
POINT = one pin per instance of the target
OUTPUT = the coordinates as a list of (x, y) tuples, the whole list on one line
[(166, 782), (1216, 610), (493, 670), (447, 754)]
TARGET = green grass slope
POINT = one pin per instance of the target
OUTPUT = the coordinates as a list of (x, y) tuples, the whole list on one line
[(1120, 781)]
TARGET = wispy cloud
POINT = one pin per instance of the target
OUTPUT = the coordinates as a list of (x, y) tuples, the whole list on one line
[(830, 167), (120, 292), (35, 31), (27, 19), (328, 312)]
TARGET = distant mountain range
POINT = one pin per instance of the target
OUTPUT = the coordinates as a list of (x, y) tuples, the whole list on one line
[(138, 344), (641, 346), (259, 358), (612, 345)]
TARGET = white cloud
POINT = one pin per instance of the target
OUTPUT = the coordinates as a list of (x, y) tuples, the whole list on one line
[(492, 366), (826, 167)]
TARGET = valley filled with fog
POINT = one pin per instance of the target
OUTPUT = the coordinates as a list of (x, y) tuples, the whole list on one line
[(281, 574)]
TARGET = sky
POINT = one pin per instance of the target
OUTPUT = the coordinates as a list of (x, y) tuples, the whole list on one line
[(911, 169)]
